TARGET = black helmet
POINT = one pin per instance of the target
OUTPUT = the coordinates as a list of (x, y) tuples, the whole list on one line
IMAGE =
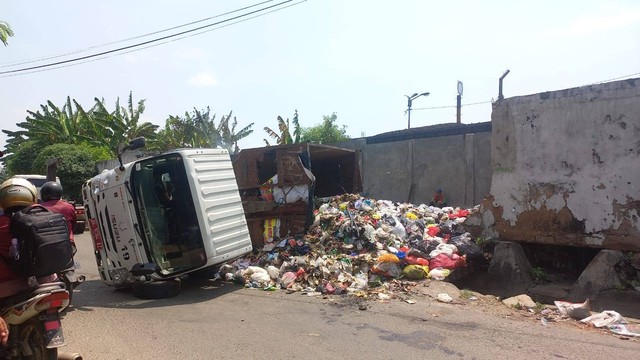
[(51, 190)]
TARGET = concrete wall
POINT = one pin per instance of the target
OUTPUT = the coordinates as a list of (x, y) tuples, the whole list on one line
[(410, 170), (566, 167)]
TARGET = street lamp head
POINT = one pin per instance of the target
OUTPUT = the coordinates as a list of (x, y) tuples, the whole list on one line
[(414, 95), (424, 94)]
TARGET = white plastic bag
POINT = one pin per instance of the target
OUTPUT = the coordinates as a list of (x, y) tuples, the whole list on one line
[(439, 273), (605, 318), (273, 272), (575, 311)]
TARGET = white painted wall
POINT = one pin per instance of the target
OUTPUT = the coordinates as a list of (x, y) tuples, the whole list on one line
[(577, 148)]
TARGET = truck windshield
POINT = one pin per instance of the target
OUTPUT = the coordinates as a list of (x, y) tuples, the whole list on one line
[(166, 214)]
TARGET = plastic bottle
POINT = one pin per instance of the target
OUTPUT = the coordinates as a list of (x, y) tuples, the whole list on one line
[(14, 250)]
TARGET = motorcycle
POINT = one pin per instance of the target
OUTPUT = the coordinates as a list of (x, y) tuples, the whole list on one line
[(71, 280), (35, 330)]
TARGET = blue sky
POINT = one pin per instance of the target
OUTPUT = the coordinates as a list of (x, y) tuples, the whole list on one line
[(355, 58)]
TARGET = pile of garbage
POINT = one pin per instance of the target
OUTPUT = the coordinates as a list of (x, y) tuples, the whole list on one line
[(358, 244)]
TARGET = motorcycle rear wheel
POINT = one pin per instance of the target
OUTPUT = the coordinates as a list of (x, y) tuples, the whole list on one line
[(32, 332)]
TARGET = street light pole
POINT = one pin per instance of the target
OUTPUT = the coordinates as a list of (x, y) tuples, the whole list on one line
[(409, 102)]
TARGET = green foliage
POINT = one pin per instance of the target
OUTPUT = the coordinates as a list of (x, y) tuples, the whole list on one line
[(21, 161), (229, 137), (76, 167), (5, 32), (114, 128), (285, 136), (99, 132), (50, 125), (327, 132), (199, 129), (4, 174), (539, 274)]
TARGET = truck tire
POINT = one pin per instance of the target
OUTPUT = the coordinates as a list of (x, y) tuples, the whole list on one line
[(157, 289)]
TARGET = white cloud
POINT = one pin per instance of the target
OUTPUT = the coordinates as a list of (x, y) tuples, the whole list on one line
[(203, 79)]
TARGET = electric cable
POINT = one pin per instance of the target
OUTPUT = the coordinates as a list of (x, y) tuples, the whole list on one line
[(144, 42), (150, 45), (28, 61)]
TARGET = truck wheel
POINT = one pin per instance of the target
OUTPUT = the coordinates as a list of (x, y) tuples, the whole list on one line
[(157, 289)]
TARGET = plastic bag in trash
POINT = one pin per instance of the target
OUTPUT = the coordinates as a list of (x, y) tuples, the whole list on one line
[(388, 257), (387, 269), (439, 273), (447, 249), (415, 272), (287, 279), (466, 246), (575, 311), (262, 279), (605, 318), (273, 272)]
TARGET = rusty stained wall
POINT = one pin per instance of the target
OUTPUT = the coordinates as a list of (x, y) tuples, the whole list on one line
[(566, 168)]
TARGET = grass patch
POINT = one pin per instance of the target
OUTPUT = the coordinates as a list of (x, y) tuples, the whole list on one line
[(466, 294)]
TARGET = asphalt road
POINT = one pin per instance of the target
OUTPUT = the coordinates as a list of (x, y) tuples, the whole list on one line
[(215, 320)]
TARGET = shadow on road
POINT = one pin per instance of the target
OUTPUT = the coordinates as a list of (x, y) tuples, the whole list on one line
[(94, 293)]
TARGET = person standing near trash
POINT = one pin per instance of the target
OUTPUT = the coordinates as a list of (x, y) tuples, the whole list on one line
[(439, 199)]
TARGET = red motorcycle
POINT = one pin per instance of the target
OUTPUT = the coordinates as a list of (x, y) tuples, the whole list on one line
[(35, 331)]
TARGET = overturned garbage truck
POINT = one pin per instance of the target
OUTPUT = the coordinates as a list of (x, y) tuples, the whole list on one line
[(158, 218)]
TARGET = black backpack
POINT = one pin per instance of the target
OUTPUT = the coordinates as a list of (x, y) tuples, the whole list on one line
[(43, 242)]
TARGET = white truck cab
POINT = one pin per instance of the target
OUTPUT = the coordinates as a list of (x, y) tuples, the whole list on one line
[(164, 216)]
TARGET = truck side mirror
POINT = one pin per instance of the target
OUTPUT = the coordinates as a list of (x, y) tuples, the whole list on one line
[(134, 144)]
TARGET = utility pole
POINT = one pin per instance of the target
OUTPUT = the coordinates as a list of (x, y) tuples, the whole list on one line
[(409, 102), (459, 103), (500, 96)]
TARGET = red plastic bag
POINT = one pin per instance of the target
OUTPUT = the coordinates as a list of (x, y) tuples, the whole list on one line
[(433, 231), (443, 261), (414, 260)]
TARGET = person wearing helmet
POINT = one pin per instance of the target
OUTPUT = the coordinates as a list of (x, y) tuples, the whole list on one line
[(15, 195), (51, 194)]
